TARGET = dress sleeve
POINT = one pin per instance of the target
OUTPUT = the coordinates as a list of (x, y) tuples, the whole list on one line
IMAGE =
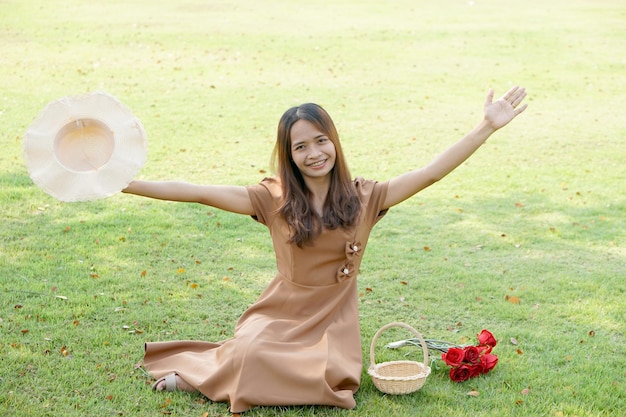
[(372, 194), (265, 198)]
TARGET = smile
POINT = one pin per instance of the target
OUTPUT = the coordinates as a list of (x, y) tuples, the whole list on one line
[(317, 164)]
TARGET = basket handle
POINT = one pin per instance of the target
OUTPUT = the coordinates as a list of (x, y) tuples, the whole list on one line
[(397, 324)]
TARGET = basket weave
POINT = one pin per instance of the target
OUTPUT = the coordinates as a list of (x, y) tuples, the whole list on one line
[(398, 377)]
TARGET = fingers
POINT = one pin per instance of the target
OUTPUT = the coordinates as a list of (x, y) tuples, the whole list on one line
[(520, 109), (515, 96), (518, 97), (509, 94)]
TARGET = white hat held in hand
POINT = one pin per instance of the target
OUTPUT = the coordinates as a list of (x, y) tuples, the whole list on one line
[(84, 147)]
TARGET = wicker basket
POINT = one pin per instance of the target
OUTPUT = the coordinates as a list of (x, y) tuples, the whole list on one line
[(398, 377)]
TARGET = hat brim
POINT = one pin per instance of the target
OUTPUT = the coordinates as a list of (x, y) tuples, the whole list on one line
[(84, 147)]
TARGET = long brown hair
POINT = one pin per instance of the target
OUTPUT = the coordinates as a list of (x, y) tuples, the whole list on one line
[(342, 205)]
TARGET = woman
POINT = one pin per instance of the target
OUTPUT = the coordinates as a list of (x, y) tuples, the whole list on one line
[(299, 343)]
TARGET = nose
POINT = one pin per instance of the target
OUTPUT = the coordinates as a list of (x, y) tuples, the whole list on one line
[(315, 156), (315, 152)]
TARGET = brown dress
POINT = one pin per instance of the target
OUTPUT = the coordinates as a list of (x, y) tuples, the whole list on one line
[(299, 343)]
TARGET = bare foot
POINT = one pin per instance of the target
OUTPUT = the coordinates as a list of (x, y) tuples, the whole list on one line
[(180, 385)]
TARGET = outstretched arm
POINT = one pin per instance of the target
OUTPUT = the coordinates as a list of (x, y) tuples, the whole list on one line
[(226, 197), (497, 114)]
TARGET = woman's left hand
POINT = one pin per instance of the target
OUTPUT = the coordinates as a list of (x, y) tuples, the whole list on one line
[(500, 112)]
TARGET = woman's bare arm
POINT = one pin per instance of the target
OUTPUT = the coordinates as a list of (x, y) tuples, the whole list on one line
[(231, 198), (497, 115)]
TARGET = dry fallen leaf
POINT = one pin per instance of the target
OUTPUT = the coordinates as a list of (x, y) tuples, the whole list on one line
[(473, 393), (525, 391), (513, 341), (513, 299)]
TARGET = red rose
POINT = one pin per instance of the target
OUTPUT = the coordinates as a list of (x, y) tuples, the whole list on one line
[(460, 374), (488, 361), (471, 355), (486, 338), (453, 357), (476, 370), (484, 349)]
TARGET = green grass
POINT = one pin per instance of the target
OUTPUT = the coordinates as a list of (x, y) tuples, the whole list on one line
[(538, 213)]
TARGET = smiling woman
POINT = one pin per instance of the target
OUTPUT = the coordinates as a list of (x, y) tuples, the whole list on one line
[(312, 167), (312, 151), (299, 343), (537, 214)]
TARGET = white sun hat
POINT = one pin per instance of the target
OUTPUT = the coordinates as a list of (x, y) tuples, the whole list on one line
[(84, 147)]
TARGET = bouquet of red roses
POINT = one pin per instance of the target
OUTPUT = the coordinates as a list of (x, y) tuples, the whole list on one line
[(466, 361), (471, 361)]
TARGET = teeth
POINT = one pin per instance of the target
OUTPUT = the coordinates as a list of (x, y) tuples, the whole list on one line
[(317, 163)]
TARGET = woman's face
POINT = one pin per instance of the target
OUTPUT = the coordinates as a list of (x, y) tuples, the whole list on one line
[(311, 150)]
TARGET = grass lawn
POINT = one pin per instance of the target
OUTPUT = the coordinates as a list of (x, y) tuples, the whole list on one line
[(527, 239)]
